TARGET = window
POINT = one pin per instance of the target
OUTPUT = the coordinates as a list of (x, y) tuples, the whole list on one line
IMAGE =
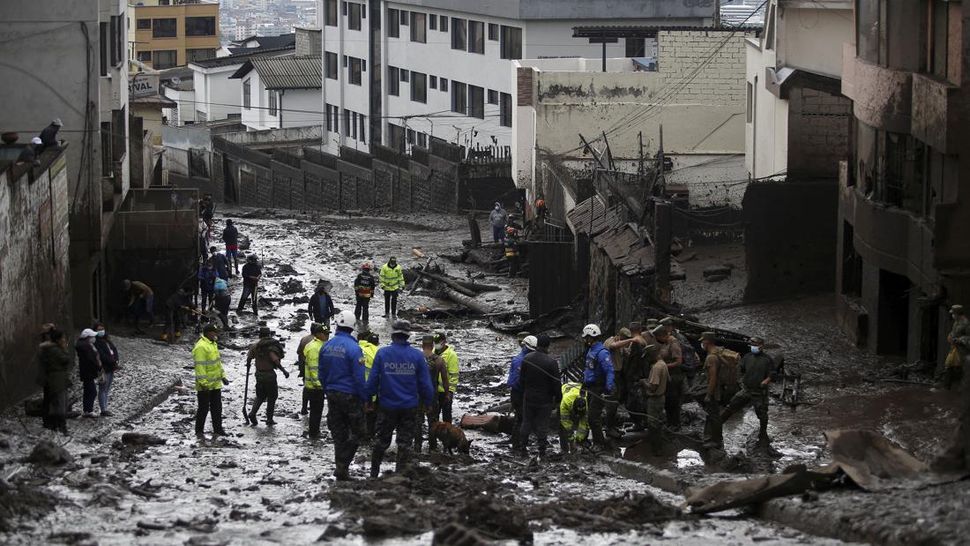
[(492, 96), (200, 26), (505, 110), (356, 70), (404, 18), (363, 122), (459, 97), (330, 13), (444, 84), (247, 93), (476, 37), (333, 118), (492, 31), (200, 54), (164, 59), (458, 38), (419, 30), (119, 40), (511, 42), (443, 20), (749, 110), (419, 87), (353, 125), (347, 122), (433, 82), (938, 27), (103, 40), (405, 75), (423, 140), (164, 28), (476, 102), (636, 47), (354, 15), (395, 136), (393, 81), (144, 24), (145, 56), (433, 21), (330, 65), (393, 23), (412, 136), (273, 103)]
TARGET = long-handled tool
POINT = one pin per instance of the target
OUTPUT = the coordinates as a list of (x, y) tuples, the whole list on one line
[(246, 397)]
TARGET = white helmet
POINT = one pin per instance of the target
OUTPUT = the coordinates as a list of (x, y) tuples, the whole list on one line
[(345, 319), (530, 342), (591, 330)]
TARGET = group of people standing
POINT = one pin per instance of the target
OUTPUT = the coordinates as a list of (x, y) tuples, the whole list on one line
[(98, 361)]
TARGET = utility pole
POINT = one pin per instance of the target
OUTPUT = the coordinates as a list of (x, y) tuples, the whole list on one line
[(663, 237)]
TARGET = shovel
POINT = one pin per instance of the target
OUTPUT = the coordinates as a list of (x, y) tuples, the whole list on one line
[(245, 397)]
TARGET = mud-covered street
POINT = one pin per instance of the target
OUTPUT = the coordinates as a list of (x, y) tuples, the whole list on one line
[(273, 485)]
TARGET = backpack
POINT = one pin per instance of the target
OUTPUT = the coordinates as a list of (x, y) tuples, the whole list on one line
[(727, 375)]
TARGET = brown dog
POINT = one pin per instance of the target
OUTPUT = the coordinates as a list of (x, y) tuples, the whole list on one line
[(451, 437)]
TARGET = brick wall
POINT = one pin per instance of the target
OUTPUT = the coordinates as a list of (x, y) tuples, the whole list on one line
[(684, 53), (818, 133)]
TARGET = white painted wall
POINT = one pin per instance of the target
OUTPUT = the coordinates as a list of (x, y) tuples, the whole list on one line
[(216, 94), (304, 100), (811, 38)]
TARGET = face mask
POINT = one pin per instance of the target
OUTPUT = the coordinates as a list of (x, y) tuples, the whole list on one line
[(755, 349), (101, 333), (439, 346)]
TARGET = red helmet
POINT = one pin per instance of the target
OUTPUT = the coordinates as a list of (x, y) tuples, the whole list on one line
[(366, 266), (540, 202), (510, 230)]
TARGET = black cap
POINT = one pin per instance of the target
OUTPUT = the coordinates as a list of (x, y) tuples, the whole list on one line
[(317, 328), (543, 341), (439, 337), (265, 332), (210, 328)]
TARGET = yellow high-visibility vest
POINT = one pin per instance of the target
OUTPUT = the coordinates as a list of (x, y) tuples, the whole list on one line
[(208, 365), (311, 359)]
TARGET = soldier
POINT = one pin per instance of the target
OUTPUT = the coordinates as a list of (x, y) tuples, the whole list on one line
[(756, 371), (654, 388), (268, 354), (620, 347), (670, 352), (720, 365), (959, 339)]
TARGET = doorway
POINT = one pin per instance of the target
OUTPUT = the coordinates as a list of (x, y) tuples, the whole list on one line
[(894, 293)]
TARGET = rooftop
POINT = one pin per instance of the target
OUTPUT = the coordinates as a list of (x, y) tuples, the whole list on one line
[(287, 72), (240, 58)]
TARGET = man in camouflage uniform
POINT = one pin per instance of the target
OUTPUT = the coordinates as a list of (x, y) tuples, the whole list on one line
[(755, 371)]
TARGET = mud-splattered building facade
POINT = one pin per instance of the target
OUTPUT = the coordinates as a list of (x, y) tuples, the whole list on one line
[(904, 194)]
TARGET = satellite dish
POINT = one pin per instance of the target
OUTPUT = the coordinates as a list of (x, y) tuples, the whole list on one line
[(176, 80)]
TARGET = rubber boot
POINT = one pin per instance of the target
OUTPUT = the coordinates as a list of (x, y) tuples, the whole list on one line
[(270, 409), (342, 472), (763, 432), (252, 418), (375, 465)]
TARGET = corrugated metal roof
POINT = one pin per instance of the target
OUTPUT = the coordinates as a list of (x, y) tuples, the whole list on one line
[(288, 72), (592, 217), (618, 239)]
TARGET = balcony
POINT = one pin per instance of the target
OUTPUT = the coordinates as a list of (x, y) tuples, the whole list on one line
[(934, 113), (882, 97)]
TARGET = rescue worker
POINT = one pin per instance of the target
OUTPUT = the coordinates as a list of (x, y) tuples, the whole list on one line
[(670, 352), (620, 347), (230, 236), (447, 395), (720, 366), (209, 379), (541, 392), (341, 373), (207, 210), (573, 422), (222, 301), (175, 306), (55, 363), (207, 284), (498, 219), (220, 263), (141, 301), (654, 388), (312, 388), (402, 383), (364, 286), (598, 380), (321, 304), (369, 343), (251, 272), (392, 282), (528, 344), (541, 211), (756, 371), (301, 362), (959, 340), (512, 250), (268, 354), (439, 377)]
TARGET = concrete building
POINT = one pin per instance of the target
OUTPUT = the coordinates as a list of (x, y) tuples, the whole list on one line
[(164, 34), (694, 89), (442, 69), (35, 286), (904, 211), (797, 121), (68, 62), (280, 92)]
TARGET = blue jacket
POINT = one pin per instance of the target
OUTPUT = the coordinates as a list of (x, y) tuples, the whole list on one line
[(207, 279), (221, 263), (515, 369), (599, 367), (400, 377), (341, 367)]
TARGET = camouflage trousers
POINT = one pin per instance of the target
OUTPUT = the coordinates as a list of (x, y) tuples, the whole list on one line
[(345, 419)]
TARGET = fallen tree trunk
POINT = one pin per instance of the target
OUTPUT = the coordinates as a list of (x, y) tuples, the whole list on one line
[(465, 301)]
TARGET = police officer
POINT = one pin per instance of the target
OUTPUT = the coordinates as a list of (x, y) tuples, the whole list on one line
[(756, 370), (341, 373), (447, 395), (401, 381), (268, 354), (598, 381), (312, 389), (392, 282), (528, 343), (573, 422), (209, 379)]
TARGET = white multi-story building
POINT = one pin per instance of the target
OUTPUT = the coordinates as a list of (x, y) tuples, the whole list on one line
[(423, 69), (280, 92)]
